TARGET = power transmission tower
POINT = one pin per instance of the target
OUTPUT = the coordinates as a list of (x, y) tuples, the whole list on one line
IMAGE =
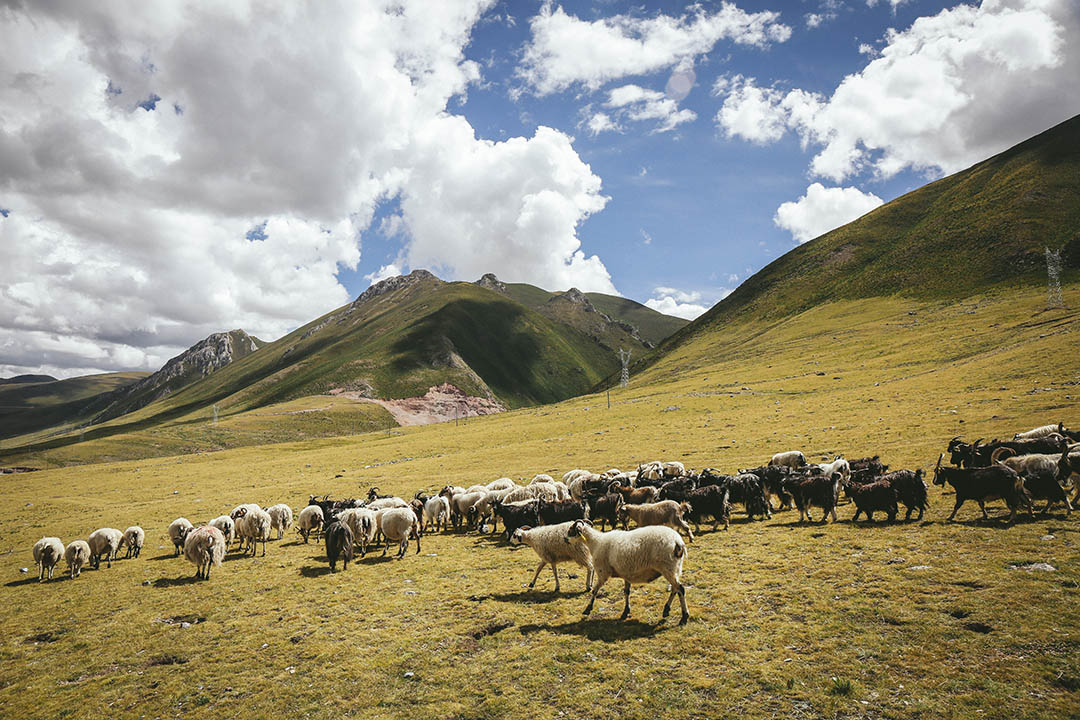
[(1054, 298), (215, 414), (624, 376)]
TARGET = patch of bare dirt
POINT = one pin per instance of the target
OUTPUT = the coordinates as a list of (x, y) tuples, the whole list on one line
[(439, 404)]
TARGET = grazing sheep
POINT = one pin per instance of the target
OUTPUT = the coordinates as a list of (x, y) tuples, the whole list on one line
[(47, 552), (878, 496), (637, 556), (398, 524), (361, 522), (501, 484), (225, 524), (104, 541), (134, 538), (1041, 432), (178, 530), (204, 547), (253, 525), (281, 518), (665, 512), (549, 543), (77, 555), (462, 504), (386, 502), (311, 518), (339, 542), (437, 512), (793, 459)]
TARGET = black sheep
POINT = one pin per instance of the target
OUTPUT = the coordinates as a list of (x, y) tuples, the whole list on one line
[(339, 542)]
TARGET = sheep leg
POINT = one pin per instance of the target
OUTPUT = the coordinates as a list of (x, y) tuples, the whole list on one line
[(600, 580), (417, 544), (537, 575), (982, 506), (264, 548), (683, 524), (589, 575), (555, 569), (626, 596)]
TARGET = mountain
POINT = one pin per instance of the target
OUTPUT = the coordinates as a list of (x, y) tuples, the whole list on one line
[(29, 406), (25, 379), (197, 362)]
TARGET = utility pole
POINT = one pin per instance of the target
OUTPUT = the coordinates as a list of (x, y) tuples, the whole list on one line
[(624, 376), (215, 414), (1054, 298)]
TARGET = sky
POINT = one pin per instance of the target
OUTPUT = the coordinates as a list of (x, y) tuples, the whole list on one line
[(169, 170)]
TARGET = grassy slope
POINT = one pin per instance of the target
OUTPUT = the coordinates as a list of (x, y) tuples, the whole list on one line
[(778, 610), (29, 407)]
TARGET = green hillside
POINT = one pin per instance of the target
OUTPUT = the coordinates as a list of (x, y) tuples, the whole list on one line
[(28, 406)]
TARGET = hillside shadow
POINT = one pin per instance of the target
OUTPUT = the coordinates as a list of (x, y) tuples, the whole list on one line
[(174, 582), (604, 630)]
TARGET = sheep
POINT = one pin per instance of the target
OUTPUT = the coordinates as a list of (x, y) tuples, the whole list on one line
[(339, 542), (793, 459), (877, 496), (462, 504), (104, 541), (549, 543), (362, 524), (204, 547), (281, 518), (672, 469), (1040, 432), (653, 471), (134, 538), (587, 484), (571, 475), (47, 553), (541, 477), (910, 490), (665, 512), (77, 555), (437, 511), (225, 524), (635, 496), (637, 556), (501, 484), (398, 524), (311, 518), (605, 508), (484, 508), (239, 527), (178, 529), (384, 503), (253, 524), (982, 484), (530, 492)]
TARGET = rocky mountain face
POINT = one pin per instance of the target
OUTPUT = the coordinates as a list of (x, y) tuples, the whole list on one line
[(574, 308)]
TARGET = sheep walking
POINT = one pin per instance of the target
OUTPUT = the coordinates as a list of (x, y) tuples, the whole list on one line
[(311, 518), (204, 547), (281, 518), (104, 541), (77, 554), (436, 512), (361, 522), (400, 525), (637, 556), (339, 543), (225, 524), (47, 553), (549, 544), (253, 525), (178, 530), (134, 538), (665, 512)]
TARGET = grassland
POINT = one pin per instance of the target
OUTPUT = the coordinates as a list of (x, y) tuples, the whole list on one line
[(29, 407), (870, 620)]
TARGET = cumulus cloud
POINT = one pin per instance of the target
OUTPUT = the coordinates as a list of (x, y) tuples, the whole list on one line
[(633, 103), (932, 99), (823, 209), (683, 304), (601, 122), (173, 173), (386, 271), (565, 50)]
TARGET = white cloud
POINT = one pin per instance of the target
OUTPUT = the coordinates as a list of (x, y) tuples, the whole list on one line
[(386, 271), (601, 122), (814, 20), (646, 238), (867, 49), (670, 306), (565, 50), (823, 209), (934, 98), (633, 103), (683, 297), (128, 236)]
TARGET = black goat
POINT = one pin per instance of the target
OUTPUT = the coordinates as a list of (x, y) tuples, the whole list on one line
[(879, 496), (1044, 485), (748, 490), (560, 511), (711, 501), (982, 484), (514, 516), (772, 480), (604, 508), (339, 542), (811, 490), (962, 454), (910, 490)]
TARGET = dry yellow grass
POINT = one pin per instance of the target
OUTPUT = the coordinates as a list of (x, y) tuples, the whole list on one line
[(786, 620)]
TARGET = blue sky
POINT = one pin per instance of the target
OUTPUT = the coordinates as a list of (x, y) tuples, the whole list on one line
[(664, 151)]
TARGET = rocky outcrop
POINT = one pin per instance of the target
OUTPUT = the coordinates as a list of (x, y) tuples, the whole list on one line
[(491, 282), (388, 285)]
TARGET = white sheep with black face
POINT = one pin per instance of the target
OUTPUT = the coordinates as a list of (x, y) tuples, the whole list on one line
[(549, 544), (311, 519), (47, 553), (225, 524), (637, 556)]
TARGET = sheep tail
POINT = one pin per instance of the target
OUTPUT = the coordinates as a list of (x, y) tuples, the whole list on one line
[(680, 550)]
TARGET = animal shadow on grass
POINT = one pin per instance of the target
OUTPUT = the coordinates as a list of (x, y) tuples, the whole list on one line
[(534, 597), (173, 582), (24, 581), (315, 571), (166, 556), (373, 558), (604, 629)]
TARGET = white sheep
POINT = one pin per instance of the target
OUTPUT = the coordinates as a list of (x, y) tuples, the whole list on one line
[(476, 488), (104, 541), (637, 556), (484, 509), (47, 552), (385, 503), (77, 554), (437, 512), (281, 518), (562, 492), (398, 525), (665, 512), (793, 459), (225, 524), (549, 544), (311, 518), (462, 503), (134, 538), (838, 465), (673, 469), (363, 524), (501, 484), (1040, 432), (651, 470), (541, 477), (235, 515), (178, 529), (204, 547), (252, 526)]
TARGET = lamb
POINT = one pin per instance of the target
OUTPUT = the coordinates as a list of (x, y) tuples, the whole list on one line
[(253, 524), (281, 518), (665, 512), (178, 529), (437, 511), (549, 543), (311, 518), (47, 553), (637, 556), (104, 541), (77, 556), (605, 508), (204, 547), (362, 524), (398, 524), (225, 524), (339, 542), (134, 538), (793, 459), (878, 496)]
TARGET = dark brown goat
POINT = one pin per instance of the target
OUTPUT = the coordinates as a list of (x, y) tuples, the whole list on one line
[(814, 491), (874, 497), (910, 490), (635, 496), (339, 543), (982, 484), (605, 508)]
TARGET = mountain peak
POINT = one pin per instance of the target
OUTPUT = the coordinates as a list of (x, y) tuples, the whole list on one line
[(395, 283), (491, 282), (577, 297)]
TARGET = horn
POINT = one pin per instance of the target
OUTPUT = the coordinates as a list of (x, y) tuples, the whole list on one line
[(939, 458)]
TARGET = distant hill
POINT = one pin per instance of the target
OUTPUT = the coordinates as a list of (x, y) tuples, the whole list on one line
[(32, 406), (24, 379)]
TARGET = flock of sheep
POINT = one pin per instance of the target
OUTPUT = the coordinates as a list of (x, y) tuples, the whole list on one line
[(557, 518)]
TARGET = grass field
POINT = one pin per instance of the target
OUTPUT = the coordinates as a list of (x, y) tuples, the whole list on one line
[(869, 620)]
